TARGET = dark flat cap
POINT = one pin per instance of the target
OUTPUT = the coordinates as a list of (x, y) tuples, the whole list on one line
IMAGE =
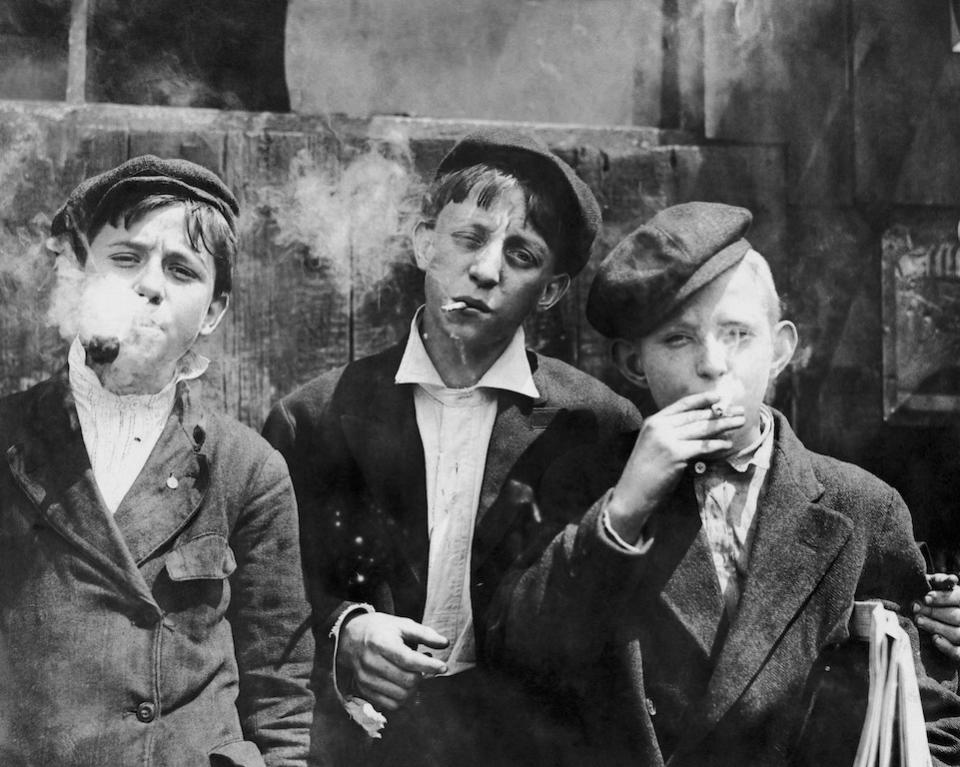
[(148, 175), (651, 272), (512, 150)]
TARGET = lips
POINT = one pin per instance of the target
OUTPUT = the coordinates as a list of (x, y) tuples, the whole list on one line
[(473, 303)]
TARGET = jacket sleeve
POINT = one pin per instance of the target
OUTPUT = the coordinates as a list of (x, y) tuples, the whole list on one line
[(269, 616), (894, 571)]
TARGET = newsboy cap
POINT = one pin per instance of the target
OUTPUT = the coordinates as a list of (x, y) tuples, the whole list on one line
[(651, 272), (148, 175), (512, 150)]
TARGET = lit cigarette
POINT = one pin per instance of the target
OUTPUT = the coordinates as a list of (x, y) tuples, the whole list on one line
[(718, 410), (453, 306)]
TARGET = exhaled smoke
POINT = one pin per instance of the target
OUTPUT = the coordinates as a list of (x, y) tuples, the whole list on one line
[(354, 219), (111, 320)]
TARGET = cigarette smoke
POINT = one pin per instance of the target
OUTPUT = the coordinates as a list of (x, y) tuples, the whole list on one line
[(356, 218)]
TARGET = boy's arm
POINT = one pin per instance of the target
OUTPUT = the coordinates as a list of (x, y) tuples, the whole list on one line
[(269, 616)]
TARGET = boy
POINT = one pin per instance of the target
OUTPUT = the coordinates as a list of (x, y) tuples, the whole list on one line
[(152, 608), (683, 613), (417, 469)]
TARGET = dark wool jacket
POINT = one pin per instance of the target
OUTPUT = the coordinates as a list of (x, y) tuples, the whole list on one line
[(170, 633), (351, 440), (636, 644)]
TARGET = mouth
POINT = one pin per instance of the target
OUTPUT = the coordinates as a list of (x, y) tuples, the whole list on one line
[(463, 303)]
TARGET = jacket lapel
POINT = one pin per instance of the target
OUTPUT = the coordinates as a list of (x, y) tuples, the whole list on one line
[(682, 563), (796, 541), (170, 487), (385, 442), (52, 467)]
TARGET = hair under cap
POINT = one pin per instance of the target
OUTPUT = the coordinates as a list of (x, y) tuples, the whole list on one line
[(148, 175), (512, 150), (651, 272)]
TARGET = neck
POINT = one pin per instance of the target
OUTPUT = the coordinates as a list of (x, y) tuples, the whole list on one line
[(458, 363)]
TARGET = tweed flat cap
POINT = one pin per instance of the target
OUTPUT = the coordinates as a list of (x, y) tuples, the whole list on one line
[(512, 150), (149, 175), (651, 272)]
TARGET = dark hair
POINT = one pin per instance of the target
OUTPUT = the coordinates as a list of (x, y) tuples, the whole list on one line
[(206, 227), (547, 204)]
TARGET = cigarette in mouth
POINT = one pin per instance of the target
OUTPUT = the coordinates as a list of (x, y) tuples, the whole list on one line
[(453, 306), (102, 350)]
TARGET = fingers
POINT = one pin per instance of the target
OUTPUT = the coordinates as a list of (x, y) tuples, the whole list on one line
[(948, 649), (416, 634), (942, 581)]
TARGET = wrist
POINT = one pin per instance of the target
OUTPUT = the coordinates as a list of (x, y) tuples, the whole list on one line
[(627, 519)]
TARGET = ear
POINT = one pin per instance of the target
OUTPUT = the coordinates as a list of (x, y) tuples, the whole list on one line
[(553, 291), (423, 234), (627, 358), (216, 310), (785, 339)]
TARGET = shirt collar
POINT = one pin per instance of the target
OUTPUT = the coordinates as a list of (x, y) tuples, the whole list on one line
[(510, 372), (760, 451), (86, 385)]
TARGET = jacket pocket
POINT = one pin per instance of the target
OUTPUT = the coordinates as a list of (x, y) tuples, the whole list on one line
[(240, 753), (206, 557), (193, 589)]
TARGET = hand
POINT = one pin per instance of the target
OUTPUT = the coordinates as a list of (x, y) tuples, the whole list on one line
[(667, 442), (940, 614), (375, 652)]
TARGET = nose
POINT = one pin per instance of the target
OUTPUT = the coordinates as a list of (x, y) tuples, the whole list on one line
[(150, 281), (486, 266), (712, 362)]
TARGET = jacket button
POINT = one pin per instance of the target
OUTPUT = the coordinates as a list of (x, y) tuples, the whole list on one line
[(651, 707), (146, 712)]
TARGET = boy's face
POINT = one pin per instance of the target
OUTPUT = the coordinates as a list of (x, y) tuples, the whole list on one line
[(490, 259), (724, 340), (174, 282)]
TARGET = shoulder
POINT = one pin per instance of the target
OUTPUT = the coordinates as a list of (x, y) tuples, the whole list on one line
[(235, 449), (844, 485), (562, 385), (353, 381)]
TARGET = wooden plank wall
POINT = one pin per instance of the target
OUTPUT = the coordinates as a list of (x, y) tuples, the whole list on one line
[(308, 294)]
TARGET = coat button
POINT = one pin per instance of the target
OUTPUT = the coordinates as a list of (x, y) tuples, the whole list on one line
[(146, 712), (651, 707), (700, 467)]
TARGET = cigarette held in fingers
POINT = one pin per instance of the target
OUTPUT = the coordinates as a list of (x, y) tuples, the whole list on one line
[(453, 306), (718, 410)]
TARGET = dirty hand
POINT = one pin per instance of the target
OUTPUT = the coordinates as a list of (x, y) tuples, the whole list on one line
[(939, 614), (667, 442), (375, 653)]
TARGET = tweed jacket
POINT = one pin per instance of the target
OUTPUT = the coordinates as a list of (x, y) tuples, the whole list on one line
[(351, 440), (173, 632), (638, 644)]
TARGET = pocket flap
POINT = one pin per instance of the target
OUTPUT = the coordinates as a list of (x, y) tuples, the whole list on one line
[(202, 558)]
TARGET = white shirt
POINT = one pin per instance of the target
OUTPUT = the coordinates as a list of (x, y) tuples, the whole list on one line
[(455, 427), (120, 431)]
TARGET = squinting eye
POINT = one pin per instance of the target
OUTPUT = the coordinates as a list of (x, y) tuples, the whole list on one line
[(523, 257), (183, 273), (675, 340), (124, 259), (470, 241)]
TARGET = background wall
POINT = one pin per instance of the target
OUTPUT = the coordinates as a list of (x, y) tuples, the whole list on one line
[(834, 121)]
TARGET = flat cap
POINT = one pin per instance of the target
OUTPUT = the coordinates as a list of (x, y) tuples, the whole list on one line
[(651, 272), (148, 175), (512, 150)]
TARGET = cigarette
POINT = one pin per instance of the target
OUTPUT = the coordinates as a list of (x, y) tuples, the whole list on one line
[(718, 410), (453, 306)]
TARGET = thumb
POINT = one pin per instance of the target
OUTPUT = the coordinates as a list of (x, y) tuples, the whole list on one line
[(414, 634)]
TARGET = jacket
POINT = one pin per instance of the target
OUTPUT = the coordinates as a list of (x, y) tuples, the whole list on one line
[(351, 440), (638, 645), (170, 633)]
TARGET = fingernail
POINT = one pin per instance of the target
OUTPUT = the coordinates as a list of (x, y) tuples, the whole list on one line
[(921, 621), (443, 669), (928, 600), (916, 607)]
